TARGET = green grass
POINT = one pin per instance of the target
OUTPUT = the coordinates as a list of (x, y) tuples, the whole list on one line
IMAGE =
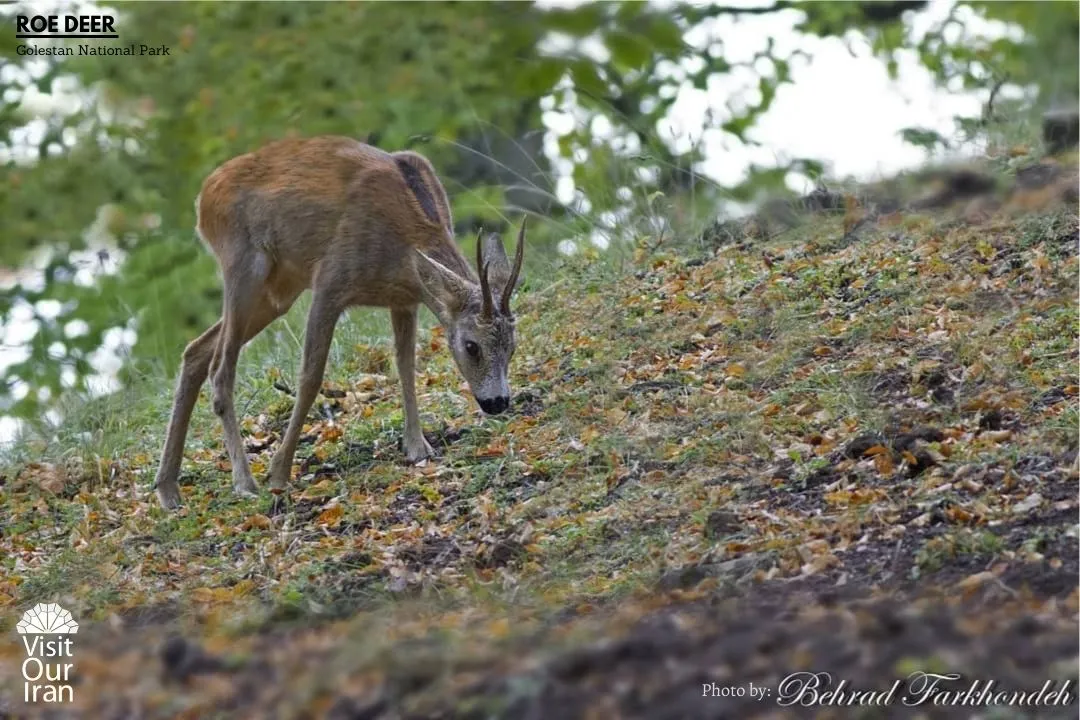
[(939, 551), (688, 383)]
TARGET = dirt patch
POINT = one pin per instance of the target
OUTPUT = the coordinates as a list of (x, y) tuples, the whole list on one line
[(674, 662), (527, 403), (499, 553), (431, 552), (447, 436), (519, 488)]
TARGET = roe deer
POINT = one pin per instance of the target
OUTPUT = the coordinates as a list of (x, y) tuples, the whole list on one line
[(359, 226)]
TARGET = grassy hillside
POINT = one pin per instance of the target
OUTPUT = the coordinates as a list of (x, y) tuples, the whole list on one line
[(841, 437)]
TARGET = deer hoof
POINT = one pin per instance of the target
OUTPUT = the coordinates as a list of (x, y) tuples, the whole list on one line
[(246, 487), (278, 477), (168, 496), (415, 452)]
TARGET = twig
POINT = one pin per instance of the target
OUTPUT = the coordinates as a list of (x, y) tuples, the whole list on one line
[(988, 111), (660, 239)]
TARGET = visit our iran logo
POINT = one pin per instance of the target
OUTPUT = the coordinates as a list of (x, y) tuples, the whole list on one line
[(46, 674)]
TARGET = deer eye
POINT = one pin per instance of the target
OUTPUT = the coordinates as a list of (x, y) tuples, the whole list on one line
[(473, 349)]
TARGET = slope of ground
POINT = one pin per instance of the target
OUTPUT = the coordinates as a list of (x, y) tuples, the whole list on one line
[(846, 446)]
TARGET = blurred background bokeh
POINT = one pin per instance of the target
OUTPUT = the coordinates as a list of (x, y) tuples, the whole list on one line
[(608, 122)]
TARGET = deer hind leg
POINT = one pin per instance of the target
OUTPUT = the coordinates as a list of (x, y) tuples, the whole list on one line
[(193, 371), (322, 317), (245, 307), (404, 322), (196, 366)]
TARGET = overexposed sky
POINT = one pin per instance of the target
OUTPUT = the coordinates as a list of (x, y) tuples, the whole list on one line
[(841, 106)]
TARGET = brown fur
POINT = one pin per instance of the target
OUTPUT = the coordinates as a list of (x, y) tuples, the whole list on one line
[(359, 226)]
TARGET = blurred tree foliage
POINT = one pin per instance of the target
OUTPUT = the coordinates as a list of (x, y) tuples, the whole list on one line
[(461, 82)]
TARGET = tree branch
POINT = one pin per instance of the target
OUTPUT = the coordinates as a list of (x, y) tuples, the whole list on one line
[(699, 13)]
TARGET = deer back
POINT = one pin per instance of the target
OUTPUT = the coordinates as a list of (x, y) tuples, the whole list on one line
[(333, 202)]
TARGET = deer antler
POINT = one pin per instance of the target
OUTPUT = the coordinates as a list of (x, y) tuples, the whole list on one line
[(519, 255), (482, 268)]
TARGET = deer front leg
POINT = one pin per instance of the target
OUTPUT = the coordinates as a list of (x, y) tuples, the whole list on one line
[(404, 322), (322, 318)]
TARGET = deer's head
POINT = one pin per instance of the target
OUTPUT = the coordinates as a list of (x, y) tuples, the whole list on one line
[(477, 317)]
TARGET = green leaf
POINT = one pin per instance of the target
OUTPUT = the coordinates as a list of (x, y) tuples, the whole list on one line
[(588, 78), (923, 137), (665, 36), (580, 21), (627, 50), (542, 76)]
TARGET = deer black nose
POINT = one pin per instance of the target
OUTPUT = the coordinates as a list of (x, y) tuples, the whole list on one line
[(495, 405)]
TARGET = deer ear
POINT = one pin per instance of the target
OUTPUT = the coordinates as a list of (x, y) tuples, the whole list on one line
[(448, 291), (498, 264)]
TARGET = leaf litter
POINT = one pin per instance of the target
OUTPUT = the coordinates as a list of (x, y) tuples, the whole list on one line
[(850, 448)]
